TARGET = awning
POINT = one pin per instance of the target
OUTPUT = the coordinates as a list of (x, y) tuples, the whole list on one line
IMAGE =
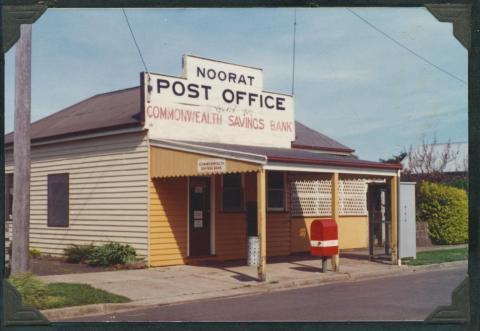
[(181, 158), (165, 161)]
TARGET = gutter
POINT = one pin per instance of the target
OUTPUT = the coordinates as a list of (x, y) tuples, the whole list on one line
[(212, 151), (373, 165), (81, 135)]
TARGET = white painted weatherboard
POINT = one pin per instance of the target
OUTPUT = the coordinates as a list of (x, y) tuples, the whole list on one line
[(108, 190)]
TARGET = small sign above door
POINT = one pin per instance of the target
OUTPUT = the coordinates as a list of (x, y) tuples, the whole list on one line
[(211, 165)]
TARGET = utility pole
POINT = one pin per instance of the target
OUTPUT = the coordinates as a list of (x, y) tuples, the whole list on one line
[(21, 152)]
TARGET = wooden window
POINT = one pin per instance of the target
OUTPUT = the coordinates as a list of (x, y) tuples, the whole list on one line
[(58, 200), (276, 191), (8, 196), (232, 192)]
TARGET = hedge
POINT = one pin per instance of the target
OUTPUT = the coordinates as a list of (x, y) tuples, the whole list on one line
[(445, 208)]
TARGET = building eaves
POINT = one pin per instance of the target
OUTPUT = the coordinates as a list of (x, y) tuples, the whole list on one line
[(265, 155)]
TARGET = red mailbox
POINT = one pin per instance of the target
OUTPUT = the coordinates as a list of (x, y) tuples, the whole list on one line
[(324, 237)]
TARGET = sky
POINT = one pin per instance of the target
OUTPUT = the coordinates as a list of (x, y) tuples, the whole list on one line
[(352, 82)]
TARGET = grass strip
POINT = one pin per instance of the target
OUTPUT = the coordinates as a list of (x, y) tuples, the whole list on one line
[(41, 295), (79, 294), (438, 256)]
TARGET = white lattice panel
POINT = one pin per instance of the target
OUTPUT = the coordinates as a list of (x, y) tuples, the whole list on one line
[(352, 194), (311, 197)]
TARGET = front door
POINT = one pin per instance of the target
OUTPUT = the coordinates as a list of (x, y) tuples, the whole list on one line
[(199, 222)]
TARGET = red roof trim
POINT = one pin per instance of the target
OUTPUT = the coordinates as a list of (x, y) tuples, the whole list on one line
[(329, 149), (372, 165)]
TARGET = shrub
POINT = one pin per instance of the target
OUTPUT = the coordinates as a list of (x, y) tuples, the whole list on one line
[(78, 253), (445, 209), (459, 183), (111, 254), (34, 252), (34, 292)]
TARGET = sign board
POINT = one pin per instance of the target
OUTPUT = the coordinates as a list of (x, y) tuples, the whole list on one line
[(211, 165), (216, 102)]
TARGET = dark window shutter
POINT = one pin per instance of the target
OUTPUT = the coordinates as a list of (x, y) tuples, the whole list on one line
[(58, 199), (8, 195)]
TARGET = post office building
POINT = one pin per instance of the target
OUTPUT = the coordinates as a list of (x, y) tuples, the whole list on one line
[(188, 168)]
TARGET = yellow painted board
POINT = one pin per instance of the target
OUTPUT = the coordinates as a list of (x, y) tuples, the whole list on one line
[(172, 163)]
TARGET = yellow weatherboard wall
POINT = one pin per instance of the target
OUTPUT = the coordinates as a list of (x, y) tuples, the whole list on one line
[(352, 232), (278, 234), (230, 230), (168, 221), (278, 223), (168, 235)]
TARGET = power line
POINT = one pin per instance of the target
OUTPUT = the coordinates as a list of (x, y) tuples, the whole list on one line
[(294, 43), (135, 41), (406, 48)]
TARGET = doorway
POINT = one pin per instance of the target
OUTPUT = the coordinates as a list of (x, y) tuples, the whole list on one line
[(379, 221), (199, 216)]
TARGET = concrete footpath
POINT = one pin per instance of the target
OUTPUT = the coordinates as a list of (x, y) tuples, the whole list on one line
[(178, 284)]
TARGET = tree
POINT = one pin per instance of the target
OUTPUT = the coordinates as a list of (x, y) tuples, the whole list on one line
[(395, 158), (429, 161)]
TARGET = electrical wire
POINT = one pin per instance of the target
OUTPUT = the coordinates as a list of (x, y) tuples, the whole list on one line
[(406, 48), (135, 41), (294, 43)]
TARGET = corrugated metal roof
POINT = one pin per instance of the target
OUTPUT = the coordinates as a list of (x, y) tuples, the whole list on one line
[(122, 109), (281, 155), (311, 139), (109, 110)]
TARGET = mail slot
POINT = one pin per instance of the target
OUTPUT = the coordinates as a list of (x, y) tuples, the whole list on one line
[(324, 237)]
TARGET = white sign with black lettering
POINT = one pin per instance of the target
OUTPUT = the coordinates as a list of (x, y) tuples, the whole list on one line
[(211, 165), (217, 102)]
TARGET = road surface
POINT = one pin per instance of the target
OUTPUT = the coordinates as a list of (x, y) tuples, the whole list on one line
[(406, 297)]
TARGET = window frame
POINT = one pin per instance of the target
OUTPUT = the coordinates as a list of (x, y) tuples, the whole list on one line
[(241, 208), (284, 190)]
